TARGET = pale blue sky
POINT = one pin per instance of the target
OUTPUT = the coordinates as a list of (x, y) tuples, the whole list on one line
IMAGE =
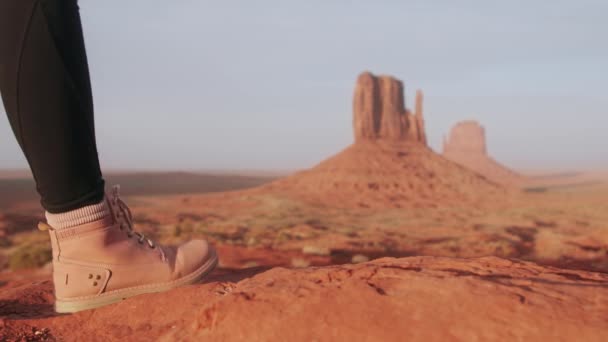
[(268, 84)]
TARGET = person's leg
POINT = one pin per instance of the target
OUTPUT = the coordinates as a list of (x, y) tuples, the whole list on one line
[(44, 81), (97, 257)]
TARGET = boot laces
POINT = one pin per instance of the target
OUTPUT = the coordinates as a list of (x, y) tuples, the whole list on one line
[(125, 217)]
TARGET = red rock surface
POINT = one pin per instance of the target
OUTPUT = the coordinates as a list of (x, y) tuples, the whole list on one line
[(410, 299), (466, 145)]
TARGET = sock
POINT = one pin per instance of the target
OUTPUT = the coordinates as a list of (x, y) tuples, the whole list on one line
[(84, 215)]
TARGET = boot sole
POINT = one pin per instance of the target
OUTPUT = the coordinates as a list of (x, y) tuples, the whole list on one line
[(92, 302)]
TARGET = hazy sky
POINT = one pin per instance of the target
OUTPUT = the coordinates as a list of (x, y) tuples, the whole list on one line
[(268, 84)]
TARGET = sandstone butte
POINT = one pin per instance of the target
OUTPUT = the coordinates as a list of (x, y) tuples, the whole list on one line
[(408, 299), (466, 145), (389, 165), (379, 111)]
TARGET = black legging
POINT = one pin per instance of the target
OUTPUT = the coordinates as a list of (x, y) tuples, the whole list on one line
[(45, 86)]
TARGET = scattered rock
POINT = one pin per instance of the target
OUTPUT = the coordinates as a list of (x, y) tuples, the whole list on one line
[(316, 250), (250, 264), (299, 263), (359, 258)]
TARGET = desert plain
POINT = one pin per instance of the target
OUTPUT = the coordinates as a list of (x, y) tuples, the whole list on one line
[(385, 240)]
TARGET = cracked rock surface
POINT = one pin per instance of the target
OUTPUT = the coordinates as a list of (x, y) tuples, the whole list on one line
[(414, 299)]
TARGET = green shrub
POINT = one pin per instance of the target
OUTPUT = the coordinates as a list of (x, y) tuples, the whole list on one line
[(185, 228), (177, 231), (31, 255)]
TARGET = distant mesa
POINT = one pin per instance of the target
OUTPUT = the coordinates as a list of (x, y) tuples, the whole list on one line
[(466, 137), (389, 165), (466, 145), (380, 113)]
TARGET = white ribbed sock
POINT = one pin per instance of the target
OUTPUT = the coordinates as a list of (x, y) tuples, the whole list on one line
[(84, 215)]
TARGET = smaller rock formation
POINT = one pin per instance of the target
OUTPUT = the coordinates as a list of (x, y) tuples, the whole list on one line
[(380, 113), (466, 137), (466, 145)]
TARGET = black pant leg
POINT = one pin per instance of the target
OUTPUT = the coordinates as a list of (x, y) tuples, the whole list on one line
[(46, 90)]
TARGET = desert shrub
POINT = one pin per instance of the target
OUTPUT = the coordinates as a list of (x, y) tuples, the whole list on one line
[(184, 229), (32, 255), (177, 231), (4, 242), (3, 261)]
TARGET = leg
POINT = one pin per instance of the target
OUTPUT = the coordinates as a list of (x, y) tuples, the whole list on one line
[(97, 257), (45, 86)]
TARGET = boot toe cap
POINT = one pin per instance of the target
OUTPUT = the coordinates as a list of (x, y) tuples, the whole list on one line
[(192, 255)]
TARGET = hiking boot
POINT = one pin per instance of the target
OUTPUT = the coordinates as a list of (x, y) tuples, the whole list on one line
[(105, 261)]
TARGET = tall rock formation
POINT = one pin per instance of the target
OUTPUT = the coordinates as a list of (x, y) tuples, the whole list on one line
[(466, 145), (380, 113)]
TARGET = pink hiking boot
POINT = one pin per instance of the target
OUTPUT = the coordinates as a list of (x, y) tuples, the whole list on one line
[(105, 261)]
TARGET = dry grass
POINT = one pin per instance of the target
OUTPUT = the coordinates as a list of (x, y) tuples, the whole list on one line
[(565, 226)]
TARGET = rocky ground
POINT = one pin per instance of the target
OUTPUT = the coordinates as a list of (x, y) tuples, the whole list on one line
[(408, 299)]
